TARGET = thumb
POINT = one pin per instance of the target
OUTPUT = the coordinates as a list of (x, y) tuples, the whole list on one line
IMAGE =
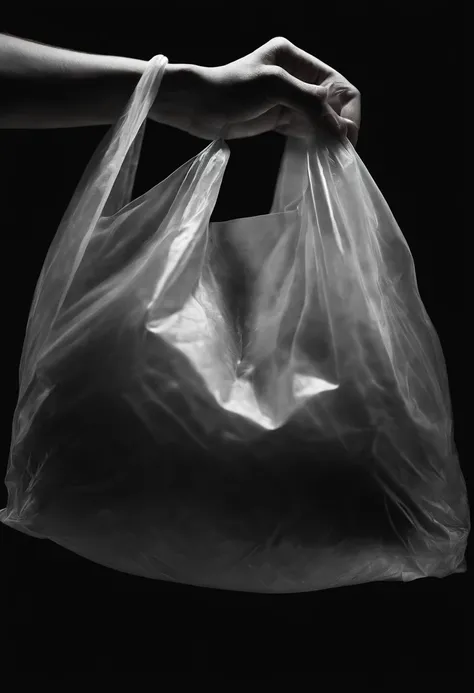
[(339, 126), (309, 99)]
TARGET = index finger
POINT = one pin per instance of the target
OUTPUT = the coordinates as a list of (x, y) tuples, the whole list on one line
[(296, 61), (349, 94), (308, 68), (348, 105), (352, 112)]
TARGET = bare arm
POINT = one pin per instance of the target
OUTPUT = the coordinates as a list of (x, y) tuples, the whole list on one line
[(46, 87), (276, 87)]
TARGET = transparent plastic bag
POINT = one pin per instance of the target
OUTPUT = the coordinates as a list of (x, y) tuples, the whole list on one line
[(259, 404)]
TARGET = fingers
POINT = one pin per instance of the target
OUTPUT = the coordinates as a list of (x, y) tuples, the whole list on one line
[(284, 89), (346, 101), (299, 63), (311, 100), (352, 113), (281, 53)]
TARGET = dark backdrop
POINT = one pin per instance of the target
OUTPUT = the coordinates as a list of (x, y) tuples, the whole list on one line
[(65, 613)]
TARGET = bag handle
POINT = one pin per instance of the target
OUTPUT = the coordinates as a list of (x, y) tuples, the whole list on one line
[(104, 185), (126, 138), (299, 156), (292, 177)]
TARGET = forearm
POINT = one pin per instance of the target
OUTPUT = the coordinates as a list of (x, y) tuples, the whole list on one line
[(48, 87)]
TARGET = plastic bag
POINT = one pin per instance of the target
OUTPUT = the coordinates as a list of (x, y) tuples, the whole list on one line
[(259, 404)]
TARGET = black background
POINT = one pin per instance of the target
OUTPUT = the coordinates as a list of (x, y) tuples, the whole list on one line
[(64, 613)]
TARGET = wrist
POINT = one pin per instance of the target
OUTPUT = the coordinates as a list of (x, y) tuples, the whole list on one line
[(179, 90)]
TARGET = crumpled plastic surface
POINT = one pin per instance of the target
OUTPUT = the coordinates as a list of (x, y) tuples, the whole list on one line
[(259, 404)]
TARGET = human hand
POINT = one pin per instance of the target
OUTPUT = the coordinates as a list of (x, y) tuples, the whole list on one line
[(276, 87)]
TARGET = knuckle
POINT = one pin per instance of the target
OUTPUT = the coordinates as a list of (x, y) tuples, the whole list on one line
[(274, 72), (272, 76), (352, 91), (279, 43), (347, 91)]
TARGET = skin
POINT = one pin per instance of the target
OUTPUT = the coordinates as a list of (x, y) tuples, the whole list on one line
[(276, 87)]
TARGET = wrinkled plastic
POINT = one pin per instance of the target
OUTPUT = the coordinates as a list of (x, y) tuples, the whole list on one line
[(259, 404)]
